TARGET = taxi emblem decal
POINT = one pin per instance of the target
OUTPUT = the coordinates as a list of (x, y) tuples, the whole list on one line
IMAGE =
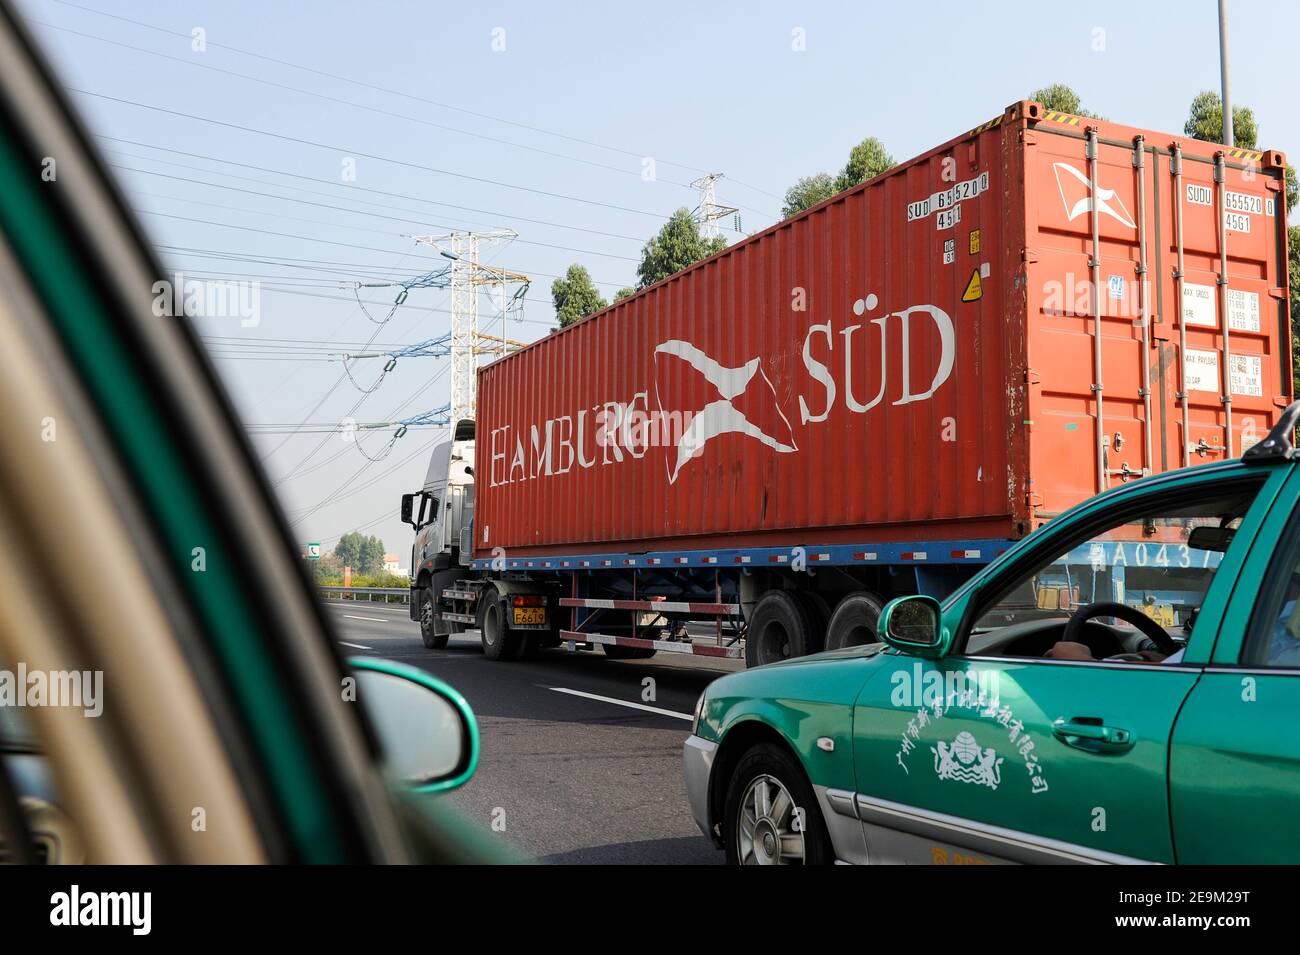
[(964, 761)]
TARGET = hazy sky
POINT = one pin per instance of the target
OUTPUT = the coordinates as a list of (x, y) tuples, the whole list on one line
[(567, 110)]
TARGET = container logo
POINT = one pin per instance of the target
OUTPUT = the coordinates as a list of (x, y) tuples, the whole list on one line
[(1077, 196), (745, 403), (695, 398)]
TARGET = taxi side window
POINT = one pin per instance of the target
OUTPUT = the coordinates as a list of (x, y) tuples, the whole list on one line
[(1160, 561), (1274, 639)]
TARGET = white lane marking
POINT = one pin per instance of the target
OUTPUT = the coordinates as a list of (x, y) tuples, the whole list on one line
[(375, 619), (364, 605), (358, 646), (610, 699)]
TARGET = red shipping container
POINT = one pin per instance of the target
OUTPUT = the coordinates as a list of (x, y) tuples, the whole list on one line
[(960, 348)]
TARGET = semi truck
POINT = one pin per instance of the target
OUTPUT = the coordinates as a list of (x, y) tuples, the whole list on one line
[(873, 398)]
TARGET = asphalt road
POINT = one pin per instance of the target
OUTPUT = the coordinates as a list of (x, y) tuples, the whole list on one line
[(575, 778)]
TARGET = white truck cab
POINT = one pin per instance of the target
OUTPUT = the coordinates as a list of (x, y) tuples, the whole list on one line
[(441, 514)]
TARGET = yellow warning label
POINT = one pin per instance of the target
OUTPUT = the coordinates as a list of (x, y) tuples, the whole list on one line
[(974, 241), (974, 290)]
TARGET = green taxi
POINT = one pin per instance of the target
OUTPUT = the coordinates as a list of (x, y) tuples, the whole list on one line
[(1121, 686)]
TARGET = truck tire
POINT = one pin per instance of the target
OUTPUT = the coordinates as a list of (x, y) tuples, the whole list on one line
[(819, 618), (769, 786), (615, 652), (854, 622), (499, 641), (432, 639), (778, 630)]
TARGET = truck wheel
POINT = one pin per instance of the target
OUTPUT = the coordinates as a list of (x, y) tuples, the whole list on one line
[(499, 641), (615, 652), (819, 618), (771, 816), (432, 639), (778, 630), (854, 622)]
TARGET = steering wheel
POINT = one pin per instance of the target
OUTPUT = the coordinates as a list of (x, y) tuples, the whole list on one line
[(1164, 643)]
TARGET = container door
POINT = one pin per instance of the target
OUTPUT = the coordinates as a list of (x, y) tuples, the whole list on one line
[(1090, 352), (1229, 296)]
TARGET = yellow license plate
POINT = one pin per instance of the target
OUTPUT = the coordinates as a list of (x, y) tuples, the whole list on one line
[(530, 616)]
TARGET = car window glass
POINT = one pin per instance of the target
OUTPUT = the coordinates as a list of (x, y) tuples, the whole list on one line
[(1149, 561)]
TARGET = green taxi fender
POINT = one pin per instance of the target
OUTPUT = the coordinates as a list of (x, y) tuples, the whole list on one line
[(802, 701)]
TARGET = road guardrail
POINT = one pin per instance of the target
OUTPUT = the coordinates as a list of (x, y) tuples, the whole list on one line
[(369, 593)]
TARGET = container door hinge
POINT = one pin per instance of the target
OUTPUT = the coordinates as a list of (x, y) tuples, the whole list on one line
[(1033, 500), (1032, 377), (1029, 256), (1277, 293)]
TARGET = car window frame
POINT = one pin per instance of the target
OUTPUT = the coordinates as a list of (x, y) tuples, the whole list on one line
[(1259, 628), (90, 267)]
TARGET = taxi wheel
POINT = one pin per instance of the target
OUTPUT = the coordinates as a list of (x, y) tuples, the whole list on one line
[(771, 816), (432, 639), (499, 641)]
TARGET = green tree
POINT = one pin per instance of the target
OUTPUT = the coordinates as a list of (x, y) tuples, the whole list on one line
[(1205, 121), (677, 245), (372, 556), (867, 160), (1063, 99), (807, 192), (365, 555), (329, 567), (574, 296), (348, 549), (624, 292), (1293, 269)]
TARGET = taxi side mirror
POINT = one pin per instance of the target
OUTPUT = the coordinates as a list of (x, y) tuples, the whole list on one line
[(914, 625)]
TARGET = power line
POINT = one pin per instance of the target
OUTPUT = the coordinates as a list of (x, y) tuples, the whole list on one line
[(339, 225), (346, 245), (342, 298), (349, 152), (350, 187), (335, 496), (411, 96), (355, 105)]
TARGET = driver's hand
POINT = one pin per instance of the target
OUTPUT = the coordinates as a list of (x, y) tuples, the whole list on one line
[(1067, 650)]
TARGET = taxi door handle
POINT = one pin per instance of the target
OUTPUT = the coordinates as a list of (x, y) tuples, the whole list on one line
[(1091, 734)]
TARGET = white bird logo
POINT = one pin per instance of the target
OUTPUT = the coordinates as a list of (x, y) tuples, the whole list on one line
[(720, 416), (1106, 200)]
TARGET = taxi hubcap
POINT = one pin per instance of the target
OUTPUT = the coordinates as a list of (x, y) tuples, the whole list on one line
[(766, 831)]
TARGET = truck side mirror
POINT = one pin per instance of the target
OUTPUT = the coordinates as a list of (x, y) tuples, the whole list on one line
[(408, 508)]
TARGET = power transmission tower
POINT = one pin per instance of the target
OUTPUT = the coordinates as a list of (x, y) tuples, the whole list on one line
[(469, 278), (708, 212)]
